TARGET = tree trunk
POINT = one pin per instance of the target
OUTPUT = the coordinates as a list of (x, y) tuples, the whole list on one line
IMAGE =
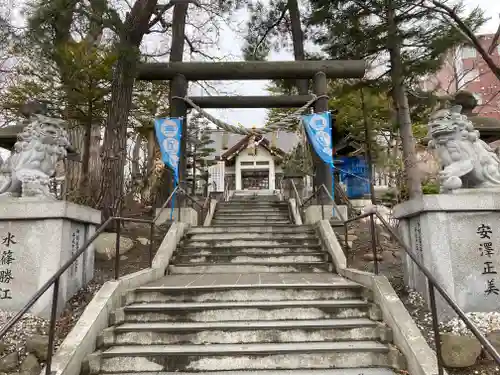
[(165, 185), (298, 42), (115, 137), (194, 150), (73, 169), (322, 173), (87, 139), (136, 154), (412, 174)]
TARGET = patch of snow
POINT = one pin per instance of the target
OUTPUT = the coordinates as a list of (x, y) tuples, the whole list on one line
[(484, 321)]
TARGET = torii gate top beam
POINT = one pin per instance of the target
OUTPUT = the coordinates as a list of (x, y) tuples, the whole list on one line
[(206, 71)]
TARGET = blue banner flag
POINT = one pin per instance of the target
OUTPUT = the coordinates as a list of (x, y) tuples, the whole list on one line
[(320, 134), (168, 133)]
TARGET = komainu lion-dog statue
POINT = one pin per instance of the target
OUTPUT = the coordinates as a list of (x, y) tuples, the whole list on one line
[(466, 160), (27, 172)]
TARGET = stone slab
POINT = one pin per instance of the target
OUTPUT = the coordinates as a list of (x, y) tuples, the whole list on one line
[(313, 213), (33, 248), (246, 279), (187, 215), (457, 239), (342, 371), (30, 209)]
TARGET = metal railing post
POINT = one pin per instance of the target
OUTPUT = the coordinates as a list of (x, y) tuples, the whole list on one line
[(435, 326), (346, 239), (322, 204), (52, 326), (374, 245), (179, 201), (151, 239), (117, 249)]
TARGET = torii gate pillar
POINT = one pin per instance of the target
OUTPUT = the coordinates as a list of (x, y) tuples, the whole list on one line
[(322, 171)]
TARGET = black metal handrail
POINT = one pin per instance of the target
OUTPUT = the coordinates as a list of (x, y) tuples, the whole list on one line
[(55, 279), (433, 285), (317, 194)]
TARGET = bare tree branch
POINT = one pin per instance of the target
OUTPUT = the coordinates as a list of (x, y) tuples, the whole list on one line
[(494, 42), (451, 13), (269, 29)]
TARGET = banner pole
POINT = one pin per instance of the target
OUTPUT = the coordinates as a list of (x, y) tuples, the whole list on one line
[(173, 201), (332, 166)]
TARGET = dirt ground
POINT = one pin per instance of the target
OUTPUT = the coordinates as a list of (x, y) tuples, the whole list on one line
[(391, 266)]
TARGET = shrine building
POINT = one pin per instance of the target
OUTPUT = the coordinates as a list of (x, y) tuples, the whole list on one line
[(251, 162)]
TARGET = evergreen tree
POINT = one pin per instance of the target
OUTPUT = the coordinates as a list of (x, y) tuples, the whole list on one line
[(199, 150), (400, 40), (409, 40), (360, 30)]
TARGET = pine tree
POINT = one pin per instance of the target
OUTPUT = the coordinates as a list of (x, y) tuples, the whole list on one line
[(199, 150), (405, 41)]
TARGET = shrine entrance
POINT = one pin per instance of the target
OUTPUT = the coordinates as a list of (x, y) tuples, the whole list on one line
[(180, 73), (255, 179)]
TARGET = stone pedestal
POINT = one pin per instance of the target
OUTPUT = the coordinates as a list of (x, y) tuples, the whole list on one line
[(457, 237), (36, 239)]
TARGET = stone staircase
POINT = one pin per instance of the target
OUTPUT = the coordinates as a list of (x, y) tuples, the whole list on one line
[(247, 210), (251, 294)]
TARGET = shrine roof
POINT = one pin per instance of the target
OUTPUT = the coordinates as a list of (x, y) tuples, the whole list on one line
[(244, 143), (285, 141)]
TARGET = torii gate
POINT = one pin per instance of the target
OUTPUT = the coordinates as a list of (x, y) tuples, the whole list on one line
[(180, 73)]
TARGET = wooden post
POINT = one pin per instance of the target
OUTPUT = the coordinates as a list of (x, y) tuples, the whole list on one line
[(178, 87), (368, 145), (245, 70), (178, 108), (269, 101), (323, 171)]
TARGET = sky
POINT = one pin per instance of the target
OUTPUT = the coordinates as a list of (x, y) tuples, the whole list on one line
[(231, 44)]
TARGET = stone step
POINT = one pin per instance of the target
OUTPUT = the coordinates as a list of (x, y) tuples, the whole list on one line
[(251, 221), (253, 217), (250, 236), (246, 224), (255, 242), (250, 206), (253, 211), (254, 202), (260, 195), (285, 249), (341, 289), (251, 257), (361, 329), (245, 311), (249, 267), (254, 207), (246, 229), (306, 355), (337, 371), (249, 213)]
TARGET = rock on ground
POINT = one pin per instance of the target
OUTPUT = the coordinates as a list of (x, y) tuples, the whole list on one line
[(459, 351), (105, 246), (30, 366)]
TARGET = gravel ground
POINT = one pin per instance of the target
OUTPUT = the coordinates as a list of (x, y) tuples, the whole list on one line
[(136, 259), (391, 267)]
